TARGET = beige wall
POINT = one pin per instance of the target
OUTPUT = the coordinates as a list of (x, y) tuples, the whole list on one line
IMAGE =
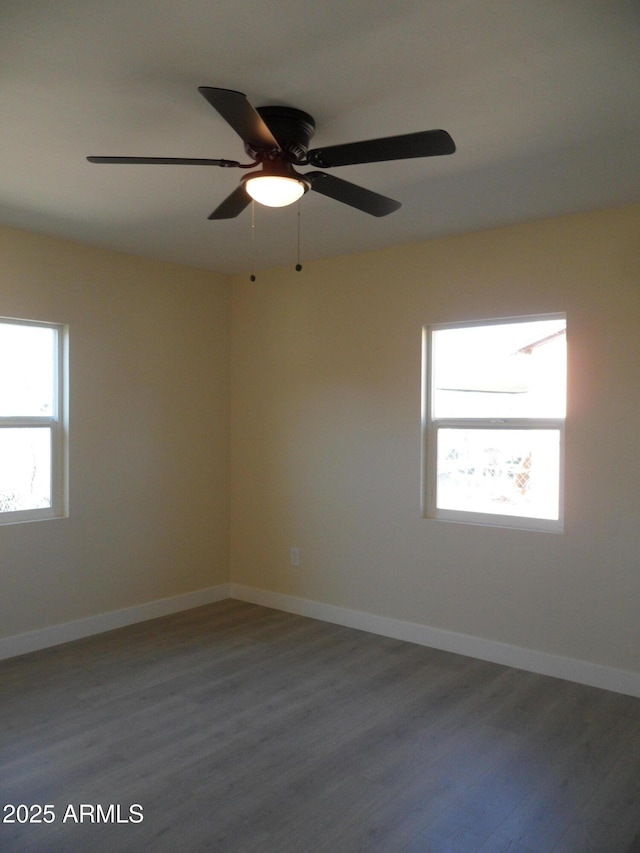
[(326, 437), (149, 433)]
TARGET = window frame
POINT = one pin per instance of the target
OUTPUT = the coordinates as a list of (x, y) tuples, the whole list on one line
[(431, 425), (57, 424)]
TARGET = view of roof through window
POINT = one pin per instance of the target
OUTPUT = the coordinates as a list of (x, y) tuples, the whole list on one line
[(499, 371)]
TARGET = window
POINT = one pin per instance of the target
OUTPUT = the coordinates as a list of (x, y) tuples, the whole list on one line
[(494, 404), (32, 440)]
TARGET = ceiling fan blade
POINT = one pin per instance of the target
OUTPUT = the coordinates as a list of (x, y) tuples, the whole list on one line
[(242, 116), (365, 200), (172, 161), (425, 143), (233, 205)]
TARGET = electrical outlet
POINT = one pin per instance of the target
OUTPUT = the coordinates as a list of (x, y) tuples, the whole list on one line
[(294, 556)]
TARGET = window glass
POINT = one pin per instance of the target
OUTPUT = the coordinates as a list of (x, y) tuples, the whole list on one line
[(27, 370), (500, 370), (502, 472), (25, 462)]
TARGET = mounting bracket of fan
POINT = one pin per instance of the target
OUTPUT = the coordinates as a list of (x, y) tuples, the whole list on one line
[(292, 129)]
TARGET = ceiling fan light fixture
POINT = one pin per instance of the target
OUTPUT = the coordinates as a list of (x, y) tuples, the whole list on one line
[(275, 190)]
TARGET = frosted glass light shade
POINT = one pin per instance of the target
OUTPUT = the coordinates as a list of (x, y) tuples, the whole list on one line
[(275, 190)]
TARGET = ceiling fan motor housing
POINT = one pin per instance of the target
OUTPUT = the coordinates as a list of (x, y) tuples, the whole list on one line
[(293, 130)]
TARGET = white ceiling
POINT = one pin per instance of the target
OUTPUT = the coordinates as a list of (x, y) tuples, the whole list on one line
[(541, 97)]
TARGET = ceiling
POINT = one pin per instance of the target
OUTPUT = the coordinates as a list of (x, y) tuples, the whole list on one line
[(542, 99)]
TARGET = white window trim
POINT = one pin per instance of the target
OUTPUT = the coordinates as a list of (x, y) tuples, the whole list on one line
[(57, 425), (430, 427)]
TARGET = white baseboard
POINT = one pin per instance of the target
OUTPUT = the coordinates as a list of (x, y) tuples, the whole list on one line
[(582, 672), (20, 644)]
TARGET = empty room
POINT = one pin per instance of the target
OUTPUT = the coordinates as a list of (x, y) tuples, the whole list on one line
[(319, 418)]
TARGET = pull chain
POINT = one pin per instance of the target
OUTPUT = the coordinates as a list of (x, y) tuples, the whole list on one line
[(252, 277), (298, 265)]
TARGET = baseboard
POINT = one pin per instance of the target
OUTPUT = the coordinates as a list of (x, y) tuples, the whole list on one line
[(582, 672), (20, 644)]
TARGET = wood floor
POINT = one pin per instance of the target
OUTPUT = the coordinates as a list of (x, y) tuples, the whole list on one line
[(240, 729)]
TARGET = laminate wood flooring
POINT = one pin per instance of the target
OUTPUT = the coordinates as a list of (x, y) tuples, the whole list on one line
[(241, 729)]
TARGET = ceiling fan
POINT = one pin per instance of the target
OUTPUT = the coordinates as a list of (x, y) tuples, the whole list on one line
[(277, 138)]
